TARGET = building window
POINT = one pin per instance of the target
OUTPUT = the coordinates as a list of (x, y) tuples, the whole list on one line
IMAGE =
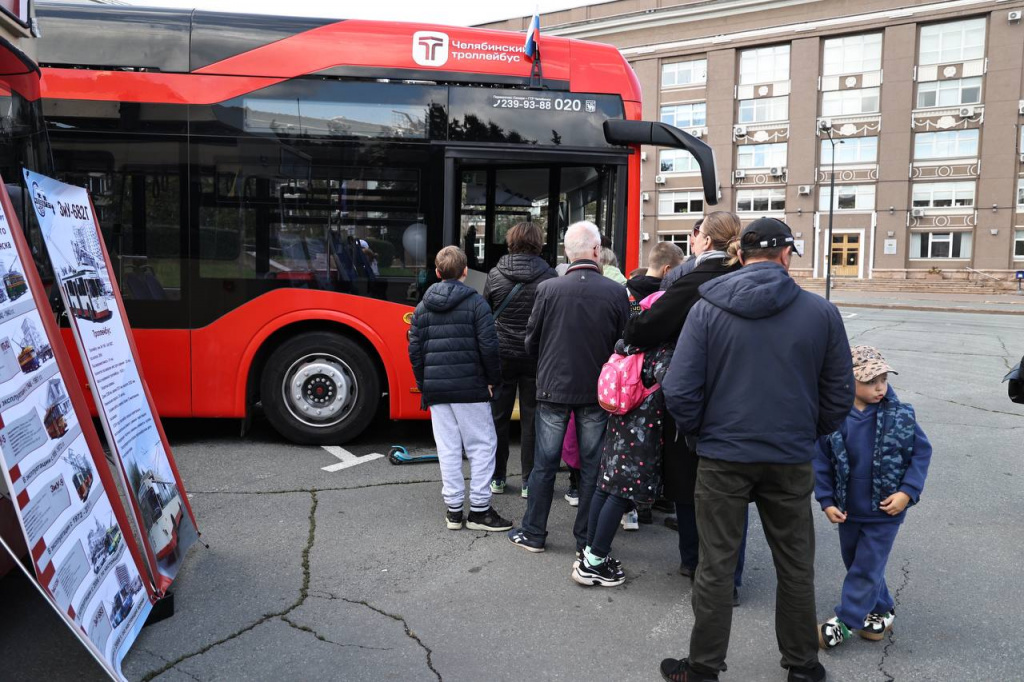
[(940, 245), (951, 93), (680, 240), (851, 150), (760, 200), (764, 64), (677, 203), (1018, 245), (685, 115), (957, 41), (849, 198), (761, 155), (852, 54), (949, 144), (1020, 194), (684, 73), (942, 194), (761, 110), (849, 102), (677, 161)]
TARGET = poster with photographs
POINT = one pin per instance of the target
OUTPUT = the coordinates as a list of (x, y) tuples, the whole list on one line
[(55, 471), (73, 241)]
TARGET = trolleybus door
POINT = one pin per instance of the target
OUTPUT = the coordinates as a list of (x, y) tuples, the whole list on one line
[(487, 196)]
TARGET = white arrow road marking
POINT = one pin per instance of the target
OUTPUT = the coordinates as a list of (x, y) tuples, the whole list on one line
[(347, 458)]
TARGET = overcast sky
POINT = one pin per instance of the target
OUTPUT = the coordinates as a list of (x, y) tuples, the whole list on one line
[(453, 12)]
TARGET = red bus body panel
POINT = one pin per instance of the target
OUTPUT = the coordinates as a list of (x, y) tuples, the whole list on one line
[(224, 351), (203, 372)]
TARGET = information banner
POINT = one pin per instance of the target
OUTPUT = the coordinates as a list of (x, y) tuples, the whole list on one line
[(96, 313), (53, 465)]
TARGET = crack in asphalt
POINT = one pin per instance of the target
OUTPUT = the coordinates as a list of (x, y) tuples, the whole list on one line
[(890, 642), (303, 595), (330, 596), (307, 629), (1006, 353), (875, 328), (475, 538), (167, 660), (954, 402)]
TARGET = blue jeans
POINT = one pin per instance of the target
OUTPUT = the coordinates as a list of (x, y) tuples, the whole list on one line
[(865, 548), (689, 542), (551, 421)]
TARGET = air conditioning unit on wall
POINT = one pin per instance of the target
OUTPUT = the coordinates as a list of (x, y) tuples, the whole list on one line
[(966, 112), (777, 171), (804, 189), (696, 132), (659, 179), (739, 131), (917, 212), (739, 174)]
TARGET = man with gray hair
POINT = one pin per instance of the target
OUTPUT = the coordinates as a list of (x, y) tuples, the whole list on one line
[(576, 320)]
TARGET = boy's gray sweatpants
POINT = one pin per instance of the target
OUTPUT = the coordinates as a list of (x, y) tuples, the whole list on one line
[(468, 426)]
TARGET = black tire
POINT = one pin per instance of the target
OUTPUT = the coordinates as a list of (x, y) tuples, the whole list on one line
[(315, 412)]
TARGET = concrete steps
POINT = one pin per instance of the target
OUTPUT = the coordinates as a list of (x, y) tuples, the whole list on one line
[(912, 286)]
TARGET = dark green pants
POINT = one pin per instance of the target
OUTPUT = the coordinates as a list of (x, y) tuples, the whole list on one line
[(782, 493)]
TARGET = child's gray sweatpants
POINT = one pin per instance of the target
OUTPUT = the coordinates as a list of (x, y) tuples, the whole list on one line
[(468, 426)]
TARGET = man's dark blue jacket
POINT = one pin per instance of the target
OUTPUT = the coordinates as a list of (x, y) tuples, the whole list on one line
[(453, 346), (761, 369)]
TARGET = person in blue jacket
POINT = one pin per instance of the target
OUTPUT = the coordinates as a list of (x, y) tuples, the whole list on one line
[(866, 475), (761, 371)]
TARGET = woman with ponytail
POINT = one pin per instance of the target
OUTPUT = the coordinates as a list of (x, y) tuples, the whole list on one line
[(715, 241)]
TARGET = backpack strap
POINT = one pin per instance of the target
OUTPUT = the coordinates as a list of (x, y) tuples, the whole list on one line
[(508, 299)]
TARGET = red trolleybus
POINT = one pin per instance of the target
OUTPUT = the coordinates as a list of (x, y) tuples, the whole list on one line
[(272, 190)]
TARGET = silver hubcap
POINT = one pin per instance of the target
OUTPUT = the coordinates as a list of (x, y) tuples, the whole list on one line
[(320, 390)]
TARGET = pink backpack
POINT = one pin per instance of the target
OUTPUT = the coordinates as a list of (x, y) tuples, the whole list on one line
[(620, 389)]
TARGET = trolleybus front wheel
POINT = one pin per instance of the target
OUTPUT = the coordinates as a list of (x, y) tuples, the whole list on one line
[(319, 388)]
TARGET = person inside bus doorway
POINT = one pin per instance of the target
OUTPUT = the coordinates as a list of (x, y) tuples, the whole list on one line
[(576, 320), (510, 290)]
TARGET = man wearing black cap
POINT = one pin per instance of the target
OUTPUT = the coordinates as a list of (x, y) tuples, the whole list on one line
[(762, 368)]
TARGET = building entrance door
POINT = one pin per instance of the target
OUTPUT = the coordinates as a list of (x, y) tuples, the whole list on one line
[(846, 255)]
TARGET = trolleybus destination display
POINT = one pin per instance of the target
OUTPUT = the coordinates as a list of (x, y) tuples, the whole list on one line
[(74, 523), (95, 311)]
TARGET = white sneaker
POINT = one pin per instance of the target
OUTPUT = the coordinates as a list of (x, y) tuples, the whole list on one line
[(630, 521), (877, 624)]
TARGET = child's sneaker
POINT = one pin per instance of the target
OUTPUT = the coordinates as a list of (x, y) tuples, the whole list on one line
[(602, 574), (487, 520), (612, 562), (498, 486), (630, 521), (453, 519), (877, 624), (572, 496), (518, 538), (832, 633), (524, 493)]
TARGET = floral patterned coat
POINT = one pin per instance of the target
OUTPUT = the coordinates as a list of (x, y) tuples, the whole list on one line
[(631, 459)]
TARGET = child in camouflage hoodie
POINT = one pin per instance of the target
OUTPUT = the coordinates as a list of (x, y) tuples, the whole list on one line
[(866, 475)]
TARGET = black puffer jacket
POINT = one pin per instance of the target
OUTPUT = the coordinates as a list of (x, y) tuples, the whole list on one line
[(512, 269), (452, 345)]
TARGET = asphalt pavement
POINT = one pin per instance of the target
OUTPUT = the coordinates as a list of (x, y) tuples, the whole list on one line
[(351, 574)]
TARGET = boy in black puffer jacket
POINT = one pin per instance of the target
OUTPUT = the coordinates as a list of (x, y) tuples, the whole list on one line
[(454, 353)]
